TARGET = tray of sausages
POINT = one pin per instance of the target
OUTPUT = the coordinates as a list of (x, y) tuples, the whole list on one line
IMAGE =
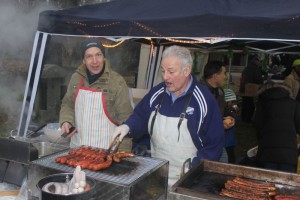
[(219, 181), (91, 158)]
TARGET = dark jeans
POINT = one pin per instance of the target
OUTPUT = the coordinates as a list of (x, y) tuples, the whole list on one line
[(248, 108), (280, 167), (231, 154)]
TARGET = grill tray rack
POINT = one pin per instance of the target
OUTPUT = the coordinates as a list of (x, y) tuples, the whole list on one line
[(132, 178), (126, 172)]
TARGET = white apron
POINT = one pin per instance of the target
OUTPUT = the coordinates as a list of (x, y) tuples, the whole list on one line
[(166, 144), (95, 126)]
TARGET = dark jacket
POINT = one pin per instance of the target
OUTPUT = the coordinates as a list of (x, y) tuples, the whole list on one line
[(113, 86), (277, 121), (204, 121), (218, 94), (251, 74)]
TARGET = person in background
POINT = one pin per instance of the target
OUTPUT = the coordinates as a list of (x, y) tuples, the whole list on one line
[(96, 101), (214, 77), (251, 74), (293, 80), (277, 121), (180, 115), (230, 110)]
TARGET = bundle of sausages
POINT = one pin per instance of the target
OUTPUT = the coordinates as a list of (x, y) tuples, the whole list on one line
[(91, 158), (240, 188)]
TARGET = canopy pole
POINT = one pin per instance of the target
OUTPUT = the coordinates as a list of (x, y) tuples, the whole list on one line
[(157, 66), (151, 65), (229, 80), (36, 81), (34, 48)]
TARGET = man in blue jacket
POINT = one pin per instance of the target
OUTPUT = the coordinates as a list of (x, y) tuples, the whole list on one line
[(180, 114)]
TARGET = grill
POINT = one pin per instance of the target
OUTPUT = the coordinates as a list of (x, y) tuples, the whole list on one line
[(124, 173), (14, 158), (206, 180), (129, 179)]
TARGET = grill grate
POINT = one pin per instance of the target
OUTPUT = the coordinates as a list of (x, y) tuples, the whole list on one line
[(126, 172)]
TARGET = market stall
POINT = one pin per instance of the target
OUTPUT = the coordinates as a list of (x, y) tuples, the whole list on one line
[(206, 25)]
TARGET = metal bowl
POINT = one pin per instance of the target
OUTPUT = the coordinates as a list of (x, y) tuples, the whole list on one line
[(47, 148), (63, 178)]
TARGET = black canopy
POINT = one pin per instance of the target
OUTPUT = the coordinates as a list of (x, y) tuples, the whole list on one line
[(255, 19), (225, 23)]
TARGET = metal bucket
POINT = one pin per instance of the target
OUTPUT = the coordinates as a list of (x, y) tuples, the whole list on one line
[(63, 178)]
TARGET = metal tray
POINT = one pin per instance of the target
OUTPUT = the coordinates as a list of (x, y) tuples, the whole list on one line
[(206, 180), (128, 171)]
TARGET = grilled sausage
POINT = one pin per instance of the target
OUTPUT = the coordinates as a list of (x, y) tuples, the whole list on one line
[(237, 195), (269, 186), (103, 165), (287, 197)]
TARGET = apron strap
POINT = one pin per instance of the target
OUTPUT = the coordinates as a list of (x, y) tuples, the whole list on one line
[(154, 117), (182, 115)]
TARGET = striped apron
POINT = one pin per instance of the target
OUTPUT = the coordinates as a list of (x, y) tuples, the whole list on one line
[(94, 125)]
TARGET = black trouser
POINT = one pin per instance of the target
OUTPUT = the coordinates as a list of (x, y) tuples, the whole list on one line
[(247, 109), (231, 154)]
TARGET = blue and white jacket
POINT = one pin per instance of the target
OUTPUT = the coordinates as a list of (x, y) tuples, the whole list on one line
[(203, 116)]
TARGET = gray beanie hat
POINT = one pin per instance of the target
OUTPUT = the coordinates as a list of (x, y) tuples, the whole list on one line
[(92, 42)]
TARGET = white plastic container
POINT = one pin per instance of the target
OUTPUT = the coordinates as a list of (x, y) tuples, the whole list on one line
[(53, 133)]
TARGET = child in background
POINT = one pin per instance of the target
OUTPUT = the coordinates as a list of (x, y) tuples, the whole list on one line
[(230, 109)]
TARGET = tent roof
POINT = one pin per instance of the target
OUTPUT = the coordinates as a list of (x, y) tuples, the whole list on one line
[(270, 26), (247, 19), (265, 46)]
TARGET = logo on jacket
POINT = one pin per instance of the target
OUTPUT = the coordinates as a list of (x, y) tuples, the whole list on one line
[(190, 110)]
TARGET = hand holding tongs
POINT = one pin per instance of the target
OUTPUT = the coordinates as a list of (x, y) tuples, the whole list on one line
[(114, 144)]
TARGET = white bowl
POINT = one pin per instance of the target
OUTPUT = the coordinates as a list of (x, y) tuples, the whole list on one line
[(53, 133)]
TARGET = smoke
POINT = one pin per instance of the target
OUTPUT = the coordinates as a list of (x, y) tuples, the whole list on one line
[(18, 21), (11, 93)]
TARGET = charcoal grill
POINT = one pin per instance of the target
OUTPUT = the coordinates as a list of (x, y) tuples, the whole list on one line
[(132, 178), (17, 153), (14, 159), (206, 180)]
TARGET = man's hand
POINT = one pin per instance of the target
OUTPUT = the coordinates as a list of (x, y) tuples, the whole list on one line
[(122, 130), (228, 122), (65, 128)]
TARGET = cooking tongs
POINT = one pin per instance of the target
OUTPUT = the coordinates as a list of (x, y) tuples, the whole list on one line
[(114, 146)]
